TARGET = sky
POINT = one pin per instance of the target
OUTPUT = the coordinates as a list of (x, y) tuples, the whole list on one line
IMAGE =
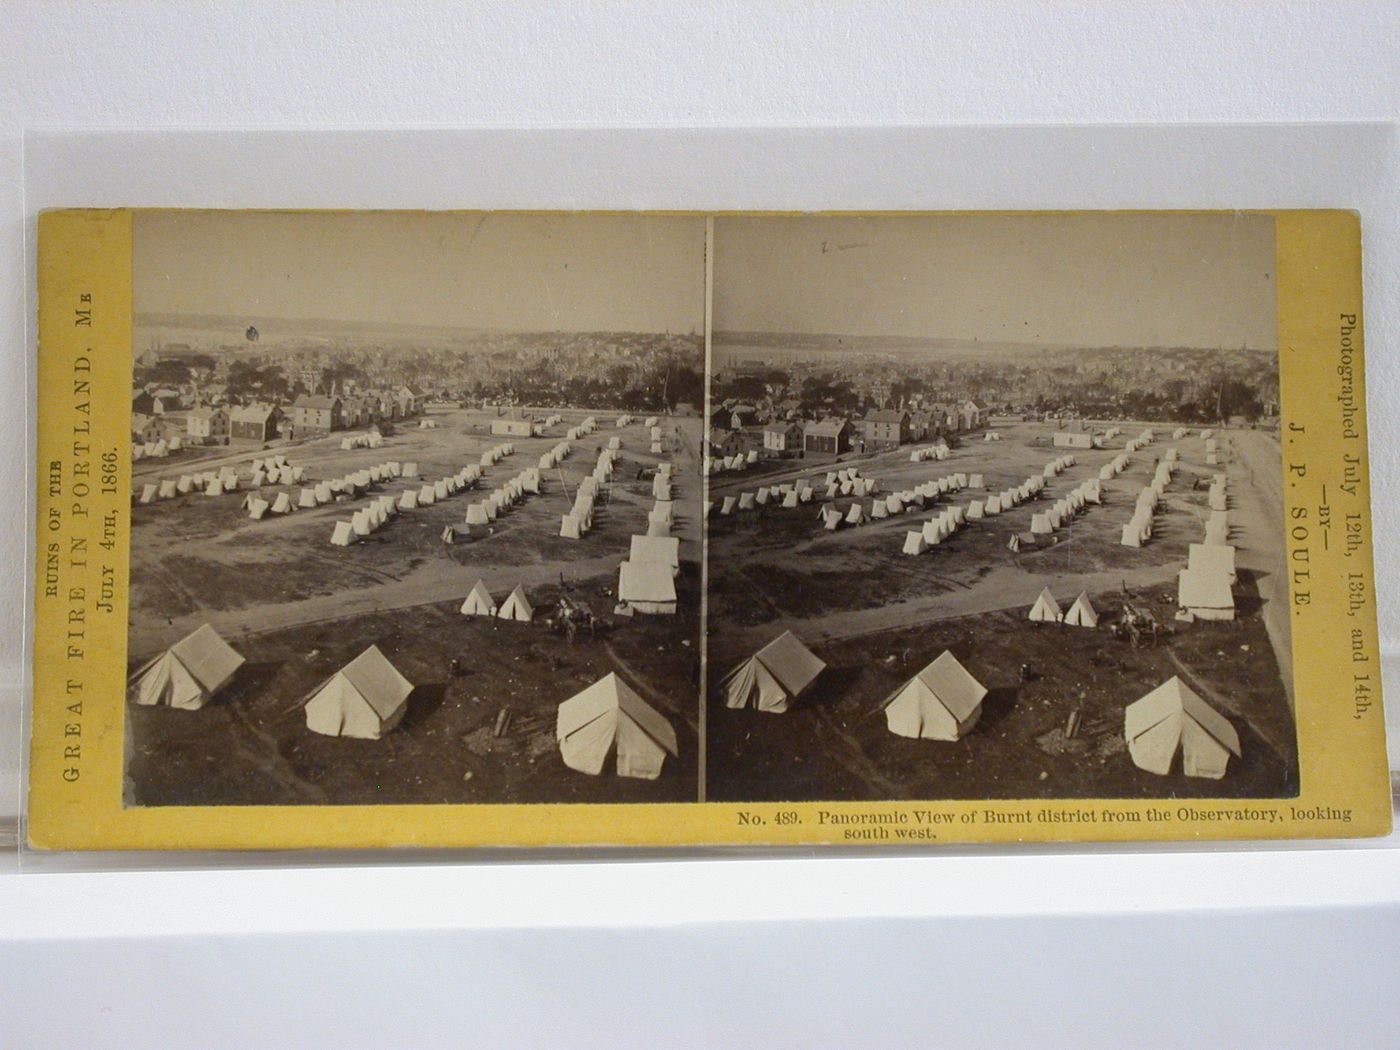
[(1105, 279), (475, 270)]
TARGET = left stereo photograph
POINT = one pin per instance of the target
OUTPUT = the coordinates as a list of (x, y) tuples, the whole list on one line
[(417, 508)]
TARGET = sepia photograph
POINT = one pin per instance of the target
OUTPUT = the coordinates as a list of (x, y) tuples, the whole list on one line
[(994, 509), (416, 508)]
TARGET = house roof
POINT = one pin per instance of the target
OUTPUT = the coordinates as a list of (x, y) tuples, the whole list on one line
[(779, 428), (826, 428), (316, 401), (886, 415), (252, 414)]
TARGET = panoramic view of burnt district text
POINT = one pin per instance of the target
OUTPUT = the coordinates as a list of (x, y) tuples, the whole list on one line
[(417, 508), (994, 509)]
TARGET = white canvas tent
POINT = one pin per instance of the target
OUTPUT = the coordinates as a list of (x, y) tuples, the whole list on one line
[(773, 677), (188, 673), (647, 587), (364, 699), (941, 702), (666, 549), (479, 601), (1213, 557), (1082, 612), (1205, 595), (1046, 609), (516, 607), (610, 719), (1174, 718)]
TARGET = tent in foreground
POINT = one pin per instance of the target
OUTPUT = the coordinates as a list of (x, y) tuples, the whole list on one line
[(941, 702), (773, 677), (364, 699), (609, 718), (188, 673), (516, 607), (1082, 613), (479, 601), (1046, 609), (1171, 718)]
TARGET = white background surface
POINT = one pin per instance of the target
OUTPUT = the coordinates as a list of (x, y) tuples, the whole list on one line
[(1114, 948)]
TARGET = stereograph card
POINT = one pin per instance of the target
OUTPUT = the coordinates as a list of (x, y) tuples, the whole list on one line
[(384, 529)]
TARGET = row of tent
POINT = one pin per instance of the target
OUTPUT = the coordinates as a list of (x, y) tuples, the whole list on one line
[(586, 427), (495, 454), (517, 607), (935, 530), (1046, 522), (943, 701), (1205, 588), (156, 449), (385, 506), (1141, 441), (579, 519), (370, 439), (273, 470), (551, 458), (352, 485), (738, 461), (368, 697), (505, 496), (1046, 609), (210, 482), (918, 455), (1138, 530)]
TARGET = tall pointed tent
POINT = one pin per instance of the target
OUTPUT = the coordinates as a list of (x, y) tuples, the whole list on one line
[(773, 677), (941, 702), (479, 601), (1046, 609), (188, 673), (364, 699), (1082, 612), (610, 719), (516, 607), (1174, 718)]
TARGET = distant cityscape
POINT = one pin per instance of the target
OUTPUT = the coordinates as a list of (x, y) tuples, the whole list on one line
[(213, 381)]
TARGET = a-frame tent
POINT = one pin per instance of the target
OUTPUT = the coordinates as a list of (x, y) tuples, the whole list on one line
[(773, 677), (941, 702), (1046, 609), (610, 719), (516, 607), (479, 601), (187, 674), (1082, 613), (364, 699), (1174, 718)]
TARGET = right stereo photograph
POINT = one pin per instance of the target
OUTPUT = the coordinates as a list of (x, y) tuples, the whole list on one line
[(995, 509)]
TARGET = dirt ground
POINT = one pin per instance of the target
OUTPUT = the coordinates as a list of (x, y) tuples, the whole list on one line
[(298, 609), (835, 745), (877, 616)]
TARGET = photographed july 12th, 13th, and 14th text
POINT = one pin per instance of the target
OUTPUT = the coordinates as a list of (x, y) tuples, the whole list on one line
[(442, 509)]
